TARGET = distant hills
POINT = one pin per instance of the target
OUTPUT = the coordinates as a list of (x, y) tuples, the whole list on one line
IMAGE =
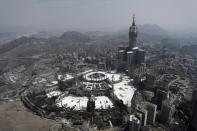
[(43, 42), (7, 36), (153, 29), (33, 46), (8, 33), (75, 36)]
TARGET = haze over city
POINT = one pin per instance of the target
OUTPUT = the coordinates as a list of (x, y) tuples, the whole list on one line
[(88, 65), (98, 14)]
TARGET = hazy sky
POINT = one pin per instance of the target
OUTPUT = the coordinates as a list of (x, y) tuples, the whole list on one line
[(98, 14)]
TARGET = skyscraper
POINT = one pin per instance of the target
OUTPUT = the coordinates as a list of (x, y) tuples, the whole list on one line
[(133, 124), (133, 34), (131, 56), (167, 111)]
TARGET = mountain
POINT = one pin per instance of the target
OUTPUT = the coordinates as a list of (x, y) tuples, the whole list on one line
[(13, 44), (72, 40), (9, 33), (7, 36), (75, 36), (35, 46), (153, 29), (46, 34)]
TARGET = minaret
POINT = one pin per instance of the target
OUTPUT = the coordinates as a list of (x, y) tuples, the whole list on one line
[(133, 34)]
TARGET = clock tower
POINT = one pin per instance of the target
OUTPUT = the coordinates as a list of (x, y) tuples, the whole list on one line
[(133, 34)]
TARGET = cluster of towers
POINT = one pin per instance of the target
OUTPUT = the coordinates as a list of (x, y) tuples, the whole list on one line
[(131, 56)]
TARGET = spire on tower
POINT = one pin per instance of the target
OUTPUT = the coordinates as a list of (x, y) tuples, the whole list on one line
[(133, 24), (133, 34)]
